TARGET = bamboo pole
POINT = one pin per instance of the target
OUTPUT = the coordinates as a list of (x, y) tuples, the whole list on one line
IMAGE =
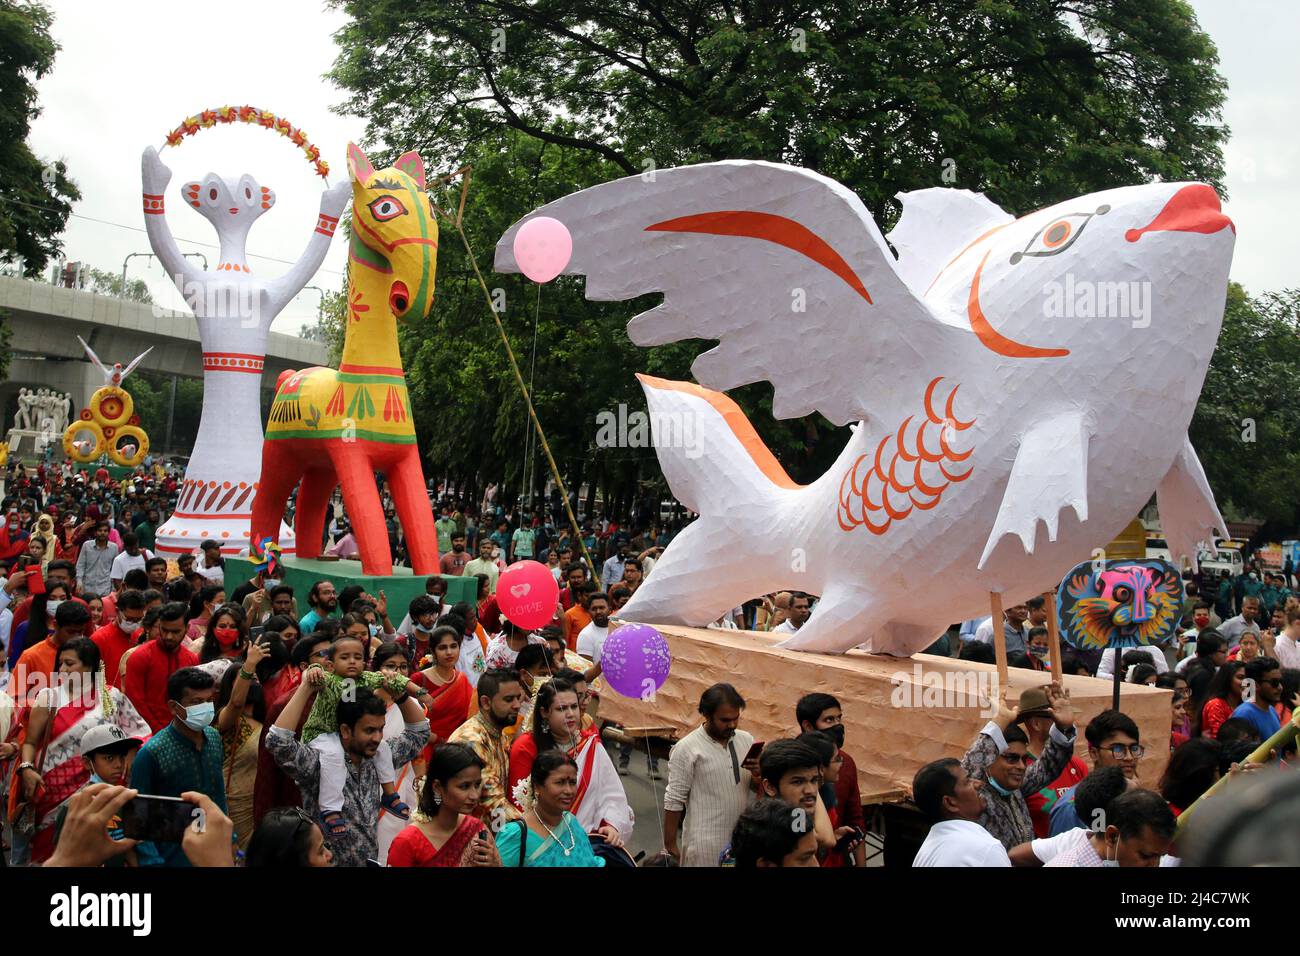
[(457, 222), (1259, 755), (999, 638), (1053, 635)]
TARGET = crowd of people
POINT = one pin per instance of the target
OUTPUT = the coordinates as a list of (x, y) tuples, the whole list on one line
[(309, 729)]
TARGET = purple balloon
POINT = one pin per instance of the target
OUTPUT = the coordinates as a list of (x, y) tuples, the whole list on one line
[(635, 660)]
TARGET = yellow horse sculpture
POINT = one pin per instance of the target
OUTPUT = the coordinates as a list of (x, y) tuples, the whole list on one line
[(331, 427)]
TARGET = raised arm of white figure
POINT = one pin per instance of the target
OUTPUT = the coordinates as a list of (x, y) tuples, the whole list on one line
[(280, 290), (155, 177)]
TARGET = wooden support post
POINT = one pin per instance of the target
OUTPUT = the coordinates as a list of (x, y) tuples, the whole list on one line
[(1053, 636), (999, 639)]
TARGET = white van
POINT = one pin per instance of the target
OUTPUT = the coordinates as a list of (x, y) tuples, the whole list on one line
[(1213, 561)]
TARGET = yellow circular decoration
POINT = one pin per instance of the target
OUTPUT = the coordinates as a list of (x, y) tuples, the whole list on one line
[(141, 449), (111, 406), (70, 437)]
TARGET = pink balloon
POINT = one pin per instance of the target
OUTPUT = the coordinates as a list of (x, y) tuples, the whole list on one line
[(543, 247), (527, 593)]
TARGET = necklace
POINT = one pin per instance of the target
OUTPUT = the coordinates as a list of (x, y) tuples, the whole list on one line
[(573, 841)]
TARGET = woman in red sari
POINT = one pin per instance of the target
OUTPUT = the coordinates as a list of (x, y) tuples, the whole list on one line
[(60, 716), (450, 692), (444, 831)]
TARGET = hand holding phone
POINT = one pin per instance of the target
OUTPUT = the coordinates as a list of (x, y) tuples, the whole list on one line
[(754, 751), (157, 819), (849, 840)]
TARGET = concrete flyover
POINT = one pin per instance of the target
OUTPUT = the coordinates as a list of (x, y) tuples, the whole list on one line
[(46, 319)]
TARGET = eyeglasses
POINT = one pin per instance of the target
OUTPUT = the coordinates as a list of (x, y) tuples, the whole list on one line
[(303, 823), (323, 653), (1013, 758), (1271, 681), (1119, 750)]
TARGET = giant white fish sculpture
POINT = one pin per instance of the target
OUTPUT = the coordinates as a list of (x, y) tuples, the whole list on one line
[(1001, 372)]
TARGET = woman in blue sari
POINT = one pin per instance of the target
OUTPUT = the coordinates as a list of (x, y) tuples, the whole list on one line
[(552, 836)]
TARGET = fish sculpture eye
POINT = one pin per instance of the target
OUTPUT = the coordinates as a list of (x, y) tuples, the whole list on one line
[(1058, 235)]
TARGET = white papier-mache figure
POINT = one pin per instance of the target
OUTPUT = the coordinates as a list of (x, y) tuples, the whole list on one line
[(1000, 373), (234, 307)]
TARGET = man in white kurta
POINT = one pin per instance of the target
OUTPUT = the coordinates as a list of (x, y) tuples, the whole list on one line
[(708, 780)]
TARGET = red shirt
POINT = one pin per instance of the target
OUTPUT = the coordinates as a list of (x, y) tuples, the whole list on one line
[(282, 684), (146, 680), (453, 563), (847, 811), (1042, 802), (112, 642), (489, 614), (21, 613), (273, 787), (1213, 714)]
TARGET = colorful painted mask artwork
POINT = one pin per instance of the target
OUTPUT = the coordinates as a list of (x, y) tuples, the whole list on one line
[(1120, 603)]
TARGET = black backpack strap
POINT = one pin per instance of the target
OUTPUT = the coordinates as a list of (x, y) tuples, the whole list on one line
[(523, 840)]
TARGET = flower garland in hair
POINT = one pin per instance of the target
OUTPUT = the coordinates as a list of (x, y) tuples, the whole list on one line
[(522, 794), (225, 115)]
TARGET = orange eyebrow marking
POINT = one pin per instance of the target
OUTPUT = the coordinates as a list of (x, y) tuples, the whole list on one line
[(973, 242)]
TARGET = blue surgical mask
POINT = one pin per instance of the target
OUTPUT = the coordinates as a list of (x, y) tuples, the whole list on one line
[(198, 716), (422, 629), (997, 786), (374, 630)]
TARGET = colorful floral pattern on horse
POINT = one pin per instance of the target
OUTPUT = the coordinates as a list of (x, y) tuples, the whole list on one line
[(1121, 603), (321, 402)]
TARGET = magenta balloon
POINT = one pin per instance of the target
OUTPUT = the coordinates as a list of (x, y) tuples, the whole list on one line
[(527, 594), (635, 660), (543, 247)]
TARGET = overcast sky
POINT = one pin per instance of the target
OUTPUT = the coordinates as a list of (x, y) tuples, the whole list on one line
[(131, 70)]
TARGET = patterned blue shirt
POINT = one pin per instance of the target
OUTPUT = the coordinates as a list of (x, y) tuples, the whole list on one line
[(169, 765)]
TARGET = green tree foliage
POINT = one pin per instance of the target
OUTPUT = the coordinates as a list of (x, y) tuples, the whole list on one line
[(1247, 424), (330, 328), (35, 197), (151, 393), (1030, 102), (110, 283)]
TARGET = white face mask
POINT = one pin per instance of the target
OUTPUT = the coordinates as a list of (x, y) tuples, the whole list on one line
[(129, 627), (1108, 861), (51, 607), (270, 584)]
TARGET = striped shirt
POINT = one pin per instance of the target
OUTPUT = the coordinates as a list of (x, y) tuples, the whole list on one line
[(706, 780)]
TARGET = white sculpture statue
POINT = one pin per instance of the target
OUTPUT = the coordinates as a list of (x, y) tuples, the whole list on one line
[(1018, 386), (234, 308), (22, 417)]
